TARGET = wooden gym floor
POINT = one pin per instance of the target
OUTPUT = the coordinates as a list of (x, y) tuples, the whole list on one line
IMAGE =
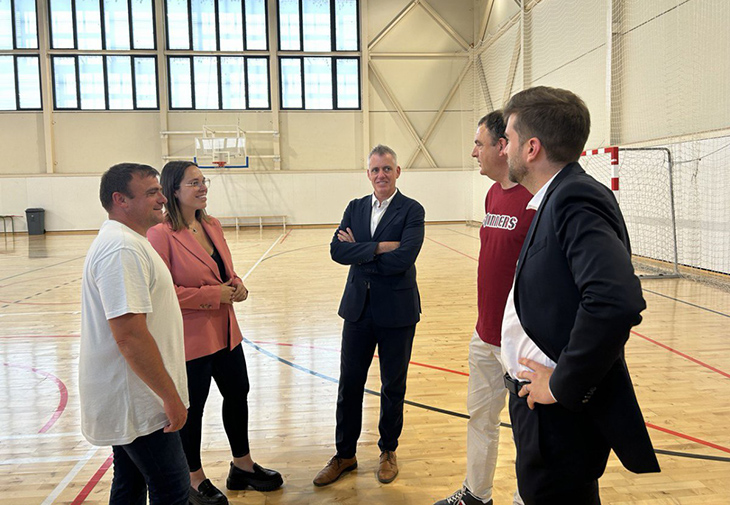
[(679, 358)]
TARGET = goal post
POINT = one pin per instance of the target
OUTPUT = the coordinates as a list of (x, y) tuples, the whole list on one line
[(641, 178)]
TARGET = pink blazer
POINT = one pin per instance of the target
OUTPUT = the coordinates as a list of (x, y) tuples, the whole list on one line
[(206, 320)]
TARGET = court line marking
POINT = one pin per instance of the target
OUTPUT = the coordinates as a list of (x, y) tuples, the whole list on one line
[(451, 248), (250, 271), (69, 476), (43, 268), (505, 425), (332, 349), (36, 461), (44, 436), (679, 353), (84, 493), (642, 287), (62, 391), (10, 314)]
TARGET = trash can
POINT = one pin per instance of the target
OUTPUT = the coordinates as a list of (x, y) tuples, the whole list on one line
[(36, 221)]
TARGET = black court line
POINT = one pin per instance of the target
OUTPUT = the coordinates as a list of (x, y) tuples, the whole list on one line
[(450, 412), (687, 303), (42, 268)]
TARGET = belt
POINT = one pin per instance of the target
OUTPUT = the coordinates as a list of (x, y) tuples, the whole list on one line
[(513, 385)]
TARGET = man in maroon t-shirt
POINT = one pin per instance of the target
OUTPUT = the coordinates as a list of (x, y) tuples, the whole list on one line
[(503, 230)]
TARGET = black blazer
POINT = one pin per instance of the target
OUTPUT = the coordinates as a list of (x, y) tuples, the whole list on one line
[(577, 298), (390, 277)]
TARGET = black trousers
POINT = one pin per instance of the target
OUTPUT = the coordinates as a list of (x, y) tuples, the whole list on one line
[(359, 340), (228, 368), (560, 454)]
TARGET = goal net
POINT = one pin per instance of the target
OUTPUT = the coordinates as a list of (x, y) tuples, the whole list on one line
[(641, 179)]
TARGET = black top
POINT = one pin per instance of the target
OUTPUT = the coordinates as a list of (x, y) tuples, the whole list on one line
[(219, 261)]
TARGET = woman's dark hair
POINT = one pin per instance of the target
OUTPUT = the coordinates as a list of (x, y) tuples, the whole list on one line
[(172, 175)]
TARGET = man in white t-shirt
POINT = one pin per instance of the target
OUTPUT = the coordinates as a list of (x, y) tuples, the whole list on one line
[(132, 381)]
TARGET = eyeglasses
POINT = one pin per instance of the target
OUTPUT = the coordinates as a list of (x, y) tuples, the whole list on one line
[(196, 184)]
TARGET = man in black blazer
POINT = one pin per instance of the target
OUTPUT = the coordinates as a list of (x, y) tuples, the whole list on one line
[(379, 237), (576, 297)]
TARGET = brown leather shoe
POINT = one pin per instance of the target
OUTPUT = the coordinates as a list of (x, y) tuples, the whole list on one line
[(388, 468), (334, 469)]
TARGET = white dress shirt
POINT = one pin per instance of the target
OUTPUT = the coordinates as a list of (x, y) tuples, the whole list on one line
[(378, 210), (515, 342)]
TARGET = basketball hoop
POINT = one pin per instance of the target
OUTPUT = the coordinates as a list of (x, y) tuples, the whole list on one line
[(220, 164)]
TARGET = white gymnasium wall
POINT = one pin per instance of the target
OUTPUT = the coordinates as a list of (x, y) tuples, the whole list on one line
[(313, 197)]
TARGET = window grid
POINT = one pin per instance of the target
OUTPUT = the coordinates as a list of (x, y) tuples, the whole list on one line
[(104, 43), (303, 82), (105, 78), (17, 93), (333, 27), (217, 27), (219, 84), (285, 44)]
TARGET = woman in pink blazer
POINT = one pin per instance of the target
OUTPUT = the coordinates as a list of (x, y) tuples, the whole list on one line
[(195, 250)]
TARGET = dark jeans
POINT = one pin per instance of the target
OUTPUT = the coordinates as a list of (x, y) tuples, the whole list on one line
[(359, 340), (228, 368), (155, 461), (560, 454)]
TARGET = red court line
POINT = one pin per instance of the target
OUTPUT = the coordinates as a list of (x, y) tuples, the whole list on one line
[(653, 426), (663, 346), (451, 248), (679, 353), (62, 390), (688, 437), (282, 344), (93, 481), (284, 237)]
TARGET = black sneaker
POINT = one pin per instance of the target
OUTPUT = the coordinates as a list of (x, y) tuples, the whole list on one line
[(261, 479), (207, 494), (462, 497)]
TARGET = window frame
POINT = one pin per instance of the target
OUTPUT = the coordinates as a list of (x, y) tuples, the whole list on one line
[(74, 25), (14, 30), (333, 59), (104, 57), (16, 79), (333, 55), (333, 30), (218, 57), (217, 28)]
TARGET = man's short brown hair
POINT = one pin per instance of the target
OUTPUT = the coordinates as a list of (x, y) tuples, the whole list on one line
[(558, 117)]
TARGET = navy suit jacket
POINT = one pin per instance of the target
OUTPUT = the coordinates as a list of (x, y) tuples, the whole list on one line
[(577, 298), (390, 277)]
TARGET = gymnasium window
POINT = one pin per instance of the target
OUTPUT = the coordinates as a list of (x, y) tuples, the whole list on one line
[(314, 80), (20, 78), (104, 82), (219, 82), (102, 24), (88, 81), (228, 81)]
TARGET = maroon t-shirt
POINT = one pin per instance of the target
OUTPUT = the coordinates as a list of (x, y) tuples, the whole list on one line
[(503, 230)]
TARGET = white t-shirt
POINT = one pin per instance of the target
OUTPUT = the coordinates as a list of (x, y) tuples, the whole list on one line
[(123, 274)]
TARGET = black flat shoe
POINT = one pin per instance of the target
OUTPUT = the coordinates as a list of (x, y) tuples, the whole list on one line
[(261, 479), (207, 494)]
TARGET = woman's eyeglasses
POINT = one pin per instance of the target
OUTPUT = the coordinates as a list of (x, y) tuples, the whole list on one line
[(196, 184)]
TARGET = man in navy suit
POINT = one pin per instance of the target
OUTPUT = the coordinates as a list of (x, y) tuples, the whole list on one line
[(574, 301), (379, 237)]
